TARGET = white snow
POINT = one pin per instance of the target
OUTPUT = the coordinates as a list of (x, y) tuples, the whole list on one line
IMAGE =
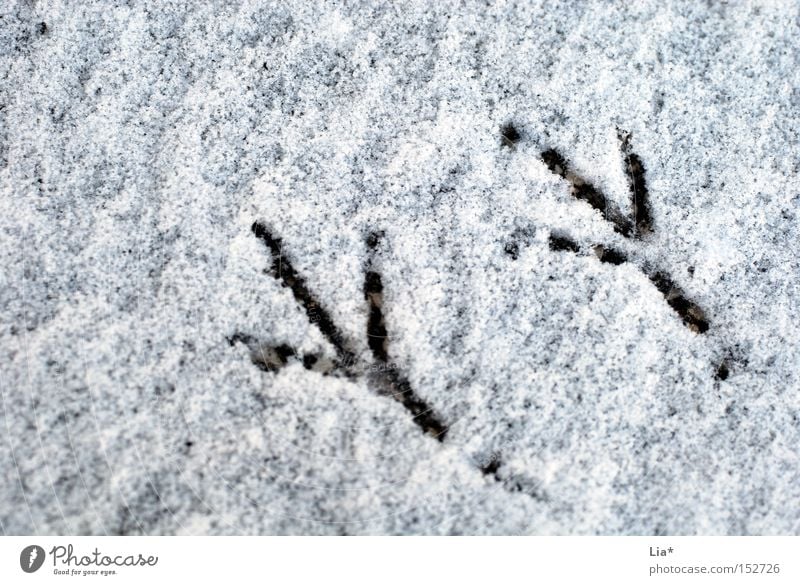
[(140, 141)]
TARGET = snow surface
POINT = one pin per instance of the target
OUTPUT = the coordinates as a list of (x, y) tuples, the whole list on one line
[(140, 142)]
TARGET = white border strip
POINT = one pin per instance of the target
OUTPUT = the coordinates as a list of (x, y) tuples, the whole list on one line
[(403, 560)]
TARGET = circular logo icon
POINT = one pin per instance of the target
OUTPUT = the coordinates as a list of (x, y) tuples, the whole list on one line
[(31, 558)]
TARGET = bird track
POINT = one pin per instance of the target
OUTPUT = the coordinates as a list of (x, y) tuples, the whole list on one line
[(634, 227), (385, 379)]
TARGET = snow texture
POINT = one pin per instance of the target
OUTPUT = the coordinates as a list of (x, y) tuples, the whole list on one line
[(575, 224)]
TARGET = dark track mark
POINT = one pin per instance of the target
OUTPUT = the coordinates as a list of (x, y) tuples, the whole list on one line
[(642, 217), (268, 358), (271, 359), (373, 239), (392, 384), (492, 467), (512, 249), (609, 255), (723, 371), (513, 484), (692, 315), (240, 338), (386, 380), (585, 191), (560, 243), (521, 235), (283, 270), (376, 328), (510, 135), (555, 162)]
